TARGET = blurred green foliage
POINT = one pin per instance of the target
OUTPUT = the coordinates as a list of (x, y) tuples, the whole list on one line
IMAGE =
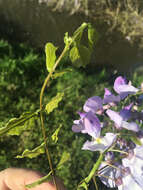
[(22, 73)]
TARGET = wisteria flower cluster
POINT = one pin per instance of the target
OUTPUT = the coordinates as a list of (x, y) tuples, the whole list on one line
[(114, 123)]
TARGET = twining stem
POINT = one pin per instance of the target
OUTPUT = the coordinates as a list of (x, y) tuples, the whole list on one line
[(41, 99), (41, 115)]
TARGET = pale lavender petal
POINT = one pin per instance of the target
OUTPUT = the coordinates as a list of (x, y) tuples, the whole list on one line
[(127, 89), (109, 173), (109, 139), (92, 146), (92, 125), (129, 107), (82, 114), (107, 92), (122, 88), (114, 116), (132, 126), (100, 144), (118, 82), (77, 122), (109, 97), (136, 166), (129, 183), (93, 104), (77, 128)]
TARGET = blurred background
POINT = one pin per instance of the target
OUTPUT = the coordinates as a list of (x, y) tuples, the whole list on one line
[(25, 27)]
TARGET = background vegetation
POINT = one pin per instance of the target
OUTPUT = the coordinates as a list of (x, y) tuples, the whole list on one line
[(22, 74)]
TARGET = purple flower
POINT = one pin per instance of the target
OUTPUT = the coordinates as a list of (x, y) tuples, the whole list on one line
[(134, 161), (120, 123), (128, 180), (100, 143), (88, 123), (107, 175), (109, 97), (118, 176), (123, 88), (125, 113), (129, 183), (93, 104)]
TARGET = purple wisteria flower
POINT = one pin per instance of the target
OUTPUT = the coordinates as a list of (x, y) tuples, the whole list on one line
[(123, 88), (107, 175), (120, 120), (126, 112), (134, 161), (125, 171), (119, 176), (109, 97), (93, 104), (100, 143), (88, 123)]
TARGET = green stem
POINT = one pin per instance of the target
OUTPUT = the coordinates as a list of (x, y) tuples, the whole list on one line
[(41, 101), (41, 115), (95, 168)]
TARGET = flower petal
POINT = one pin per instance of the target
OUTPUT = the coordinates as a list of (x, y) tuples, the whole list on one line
[(122, 88), (109, 173), (125, 113), (93, 104), (77, 128), (114, 116), (118, 82), (100, 144), (132, 126), (129, 183), (109, 97), (92, 146), (92, 125)]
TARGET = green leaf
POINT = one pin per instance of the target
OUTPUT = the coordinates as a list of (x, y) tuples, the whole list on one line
[(55, 134), (93, 36), (78, 33), (16, 125), (40, 181), (50, 51), (65, 157), (54, 102), (80, 56), (33, 153)]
